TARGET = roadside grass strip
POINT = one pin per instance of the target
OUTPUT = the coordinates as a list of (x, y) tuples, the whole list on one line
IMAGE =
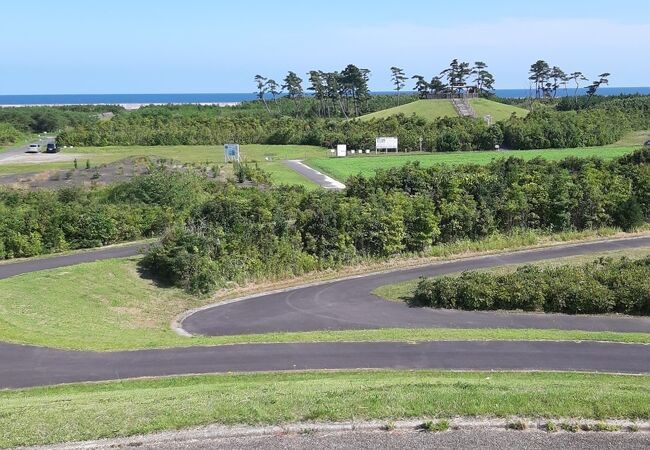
[(78, 412)]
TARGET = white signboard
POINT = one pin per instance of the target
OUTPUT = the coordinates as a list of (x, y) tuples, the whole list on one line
[(386, 143), (341, 150), (231, 152)]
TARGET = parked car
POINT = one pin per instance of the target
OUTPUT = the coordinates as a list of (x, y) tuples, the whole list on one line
[(34, 148), (52, 148)]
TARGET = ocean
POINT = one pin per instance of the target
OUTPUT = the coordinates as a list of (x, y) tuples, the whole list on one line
[(227, 98)]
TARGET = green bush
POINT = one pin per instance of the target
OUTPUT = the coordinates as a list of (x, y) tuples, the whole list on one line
[(604, 286)]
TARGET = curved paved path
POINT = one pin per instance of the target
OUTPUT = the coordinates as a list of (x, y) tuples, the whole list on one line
[(24, 366), (349, 304), (11, 269)]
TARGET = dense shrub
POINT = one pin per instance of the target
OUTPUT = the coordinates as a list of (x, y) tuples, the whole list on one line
[(39, 119), (603, 286), (254, 234), (8, 134)]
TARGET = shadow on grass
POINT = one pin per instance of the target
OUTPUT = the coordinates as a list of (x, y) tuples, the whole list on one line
[(147, 274)]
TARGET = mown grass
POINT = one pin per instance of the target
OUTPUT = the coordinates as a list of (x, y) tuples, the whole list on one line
[(436, 109), (404, 290), (498, 111), (342, 168), (91, 411), (428, 109), (268, 157), (108, 305)]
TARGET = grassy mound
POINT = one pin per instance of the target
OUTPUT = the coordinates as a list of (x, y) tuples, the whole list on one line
[(436, 109)]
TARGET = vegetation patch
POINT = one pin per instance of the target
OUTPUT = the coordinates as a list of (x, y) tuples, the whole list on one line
[(434, 427), (101, 410), (603, 286)]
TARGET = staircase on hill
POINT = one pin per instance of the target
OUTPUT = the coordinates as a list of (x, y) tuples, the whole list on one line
[(463, 108)]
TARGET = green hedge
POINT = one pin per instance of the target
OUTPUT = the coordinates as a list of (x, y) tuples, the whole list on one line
[(603, 286)]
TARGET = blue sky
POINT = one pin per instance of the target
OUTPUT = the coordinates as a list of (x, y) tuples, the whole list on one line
[(145, 46)]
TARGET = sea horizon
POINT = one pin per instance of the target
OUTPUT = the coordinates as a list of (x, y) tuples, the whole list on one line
[(238, 97)]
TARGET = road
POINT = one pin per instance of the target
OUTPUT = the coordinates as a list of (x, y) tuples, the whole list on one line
[(24, 366), (33, 265), (23, 149), (350, 304), (473, 438), (317, 177)]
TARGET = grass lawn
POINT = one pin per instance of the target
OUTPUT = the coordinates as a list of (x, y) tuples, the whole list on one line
[(634, 138), (107, 305), (429, 109), (436, 109), (91, 411), (404, 291), (498, 111), (188, 154), (342, 168)]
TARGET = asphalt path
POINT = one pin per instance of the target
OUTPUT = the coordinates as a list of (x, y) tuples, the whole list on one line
[(307, 308), (23, 149), (349, 304), (315, 176), (24, 366), (11, 269)]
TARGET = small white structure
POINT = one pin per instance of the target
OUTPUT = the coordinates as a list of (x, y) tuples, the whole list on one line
[(386, 143), (231, 152), (341, 150)]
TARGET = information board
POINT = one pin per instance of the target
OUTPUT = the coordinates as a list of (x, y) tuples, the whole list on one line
[(386, 143), (231, 152)]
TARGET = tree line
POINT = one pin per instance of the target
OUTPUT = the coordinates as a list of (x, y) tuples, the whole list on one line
[(346, 93), (602, 123), (548, 80)]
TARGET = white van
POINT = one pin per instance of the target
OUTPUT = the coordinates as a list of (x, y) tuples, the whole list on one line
[(34, 148)]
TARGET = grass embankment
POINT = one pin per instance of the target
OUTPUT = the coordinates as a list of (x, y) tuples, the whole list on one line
[(342, 168), (428, 109), (92, 411), (268, 157), (437, 109), (498, 111), (108, 305), (405, 290)]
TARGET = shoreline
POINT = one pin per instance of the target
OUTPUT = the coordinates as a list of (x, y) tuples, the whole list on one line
[(127, 106)]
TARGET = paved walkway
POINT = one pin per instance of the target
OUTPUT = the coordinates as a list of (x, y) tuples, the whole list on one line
[(349, 304), (317, 177), (24, 366)]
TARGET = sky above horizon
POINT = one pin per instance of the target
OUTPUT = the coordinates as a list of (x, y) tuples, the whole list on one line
[(201, 46)]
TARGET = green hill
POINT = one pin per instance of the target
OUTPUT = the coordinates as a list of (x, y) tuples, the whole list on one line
[(498, 111), (436, 109)]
